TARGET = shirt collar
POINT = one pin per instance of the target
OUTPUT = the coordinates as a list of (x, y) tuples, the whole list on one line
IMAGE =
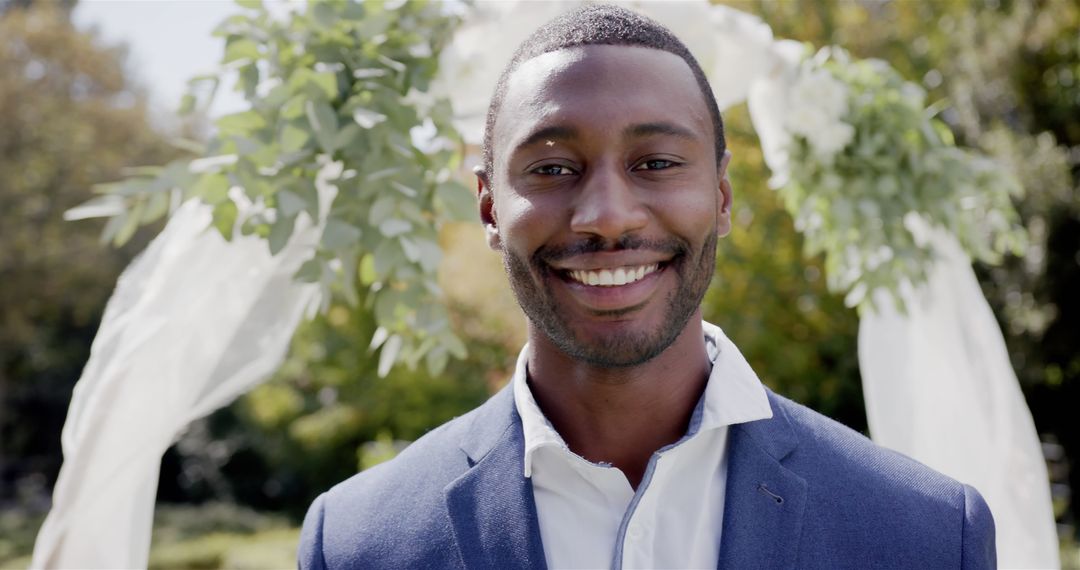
[(733, 395)]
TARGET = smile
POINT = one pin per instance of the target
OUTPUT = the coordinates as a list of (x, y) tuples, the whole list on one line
[(612, 277)]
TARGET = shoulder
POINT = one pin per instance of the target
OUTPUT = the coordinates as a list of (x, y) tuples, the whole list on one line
[(394, 514), (829, 451), (858, 493)]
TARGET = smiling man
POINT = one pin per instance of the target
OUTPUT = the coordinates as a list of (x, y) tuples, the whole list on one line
[(633, 434)]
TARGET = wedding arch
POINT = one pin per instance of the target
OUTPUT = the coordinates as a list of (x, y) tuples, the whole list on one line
[(344, 164)]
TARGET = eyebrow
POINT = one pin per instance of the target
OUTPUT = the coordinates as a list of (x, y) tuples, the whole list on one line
[(556, 132), (648, 129), (562, 132)]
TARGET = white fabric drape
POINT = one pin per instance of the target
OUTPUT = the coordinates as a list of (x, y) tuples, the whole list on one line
[(939, 387), (194, 322)]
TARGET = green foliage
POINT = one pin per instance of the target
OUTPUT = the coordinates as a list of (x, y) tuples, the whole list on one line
[(69, 118), (338, 95), (870, 208)]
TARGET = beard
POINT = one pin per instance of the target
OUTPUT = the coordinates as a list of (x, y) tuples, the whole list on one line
[(693, 272)]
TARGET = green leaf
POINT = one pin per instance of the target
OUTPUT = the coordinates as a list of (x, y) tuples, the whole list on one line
[(241, 48), (323, 121), (97, 207), (293, 138), (212, 188), (388, 355), (130, 225), (393, 227), (348, 277), (243, 124), (310, 271), (156, 207), (458, 202), (387, 255), (386, 307), (225, 219), (436, 360), (289, 204), (112, 227), (406, 190), (326, 81), (346, 136), (368, 275), (294, 107), (430, 254), (381, 209), (339, 234), (409, 247), (321, 85), (377, 339), (454, 345), (280, 232)]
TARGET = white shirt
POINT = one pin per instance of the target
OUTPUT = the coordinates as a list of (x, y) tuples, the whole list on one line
[(590, 516)]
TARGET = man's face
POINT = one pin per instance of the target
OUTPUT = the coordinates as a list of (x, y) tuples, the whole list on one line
[(606, 200)]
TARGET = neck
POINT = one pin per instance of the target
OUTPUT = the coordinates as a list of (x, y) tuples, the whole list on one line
[(620, 415)]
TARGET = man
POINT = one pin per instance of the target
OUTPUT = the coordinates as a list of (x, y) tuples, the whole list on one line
[(632, 434)]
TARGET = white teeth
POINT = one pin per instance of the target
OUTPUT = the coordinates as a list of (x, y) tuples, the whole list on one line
[(613, 278)]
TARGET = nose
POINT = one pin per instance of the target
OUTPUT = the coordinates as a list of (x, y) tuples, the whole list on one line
[(608, 205)]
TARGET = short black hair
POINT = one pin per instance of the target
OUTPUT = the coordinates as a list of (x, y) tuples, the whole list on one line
[(598, 24)]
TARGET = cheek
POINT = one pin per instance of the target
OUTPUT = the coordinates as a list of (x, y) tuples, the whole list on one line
[(690, 214), (527, 224)]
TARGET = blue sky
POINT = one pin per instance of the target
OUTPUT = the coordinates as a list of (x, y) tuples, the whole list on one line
[(169, 41)]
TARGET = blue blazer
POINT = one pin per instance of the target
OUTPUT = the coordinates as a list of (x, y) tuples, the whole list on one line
[(802, 492)]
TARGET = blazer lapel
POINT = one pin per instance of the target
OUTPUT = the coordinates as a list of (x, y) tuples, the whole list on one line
[(764, 501), (491, 507)]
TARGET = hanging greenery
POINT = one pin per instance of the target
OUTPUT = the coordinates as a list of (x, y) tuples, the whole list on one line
[(871, 174), (339, 93)]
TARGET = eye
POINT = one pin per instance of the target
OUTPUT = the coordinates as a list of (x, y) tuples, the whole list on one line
[(552, 170), (656, 164)]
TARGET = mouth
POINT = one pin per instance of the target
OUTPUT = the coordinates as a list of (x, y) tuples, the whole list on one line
[(612, 290), (615, 277)]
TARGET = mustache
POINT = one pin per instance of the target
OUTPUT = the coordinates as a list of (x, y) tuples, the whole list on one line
[(596, 244)]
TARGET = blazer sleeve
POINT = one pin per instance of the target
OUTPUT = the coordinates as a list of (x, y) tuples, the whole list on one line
[(978, 549), (310, 554)]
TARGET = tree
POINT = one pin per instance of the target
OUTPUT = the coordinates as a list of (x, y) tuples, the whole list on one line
[(71, 119)]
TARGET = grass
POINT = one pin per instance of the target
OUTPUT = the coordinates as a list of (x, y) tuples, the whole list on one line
[(204, 537)]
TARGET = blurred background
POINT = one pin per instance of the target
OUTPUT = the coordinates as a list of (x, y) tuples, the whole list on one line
[(89, 88)]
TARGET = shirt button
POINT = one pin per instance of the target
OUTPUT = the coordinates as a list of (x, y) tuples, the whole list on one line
[(635, 532)]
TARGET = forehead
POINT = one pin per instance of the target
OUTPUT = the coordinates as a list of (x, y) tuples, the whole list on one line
[(600, 88)]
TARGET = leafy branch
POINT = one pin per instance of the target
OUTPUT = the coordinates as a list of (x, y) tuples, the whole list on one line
[(339, 92)]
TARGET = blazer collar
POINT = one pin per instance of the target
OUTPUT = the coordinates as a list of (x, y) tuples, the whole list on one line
[(493, 511), (764, 501), (491, 506)]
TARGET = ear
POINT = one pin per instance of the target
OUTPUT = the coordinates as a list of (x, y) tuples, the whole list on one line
[(723, 203), (487, 209)]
